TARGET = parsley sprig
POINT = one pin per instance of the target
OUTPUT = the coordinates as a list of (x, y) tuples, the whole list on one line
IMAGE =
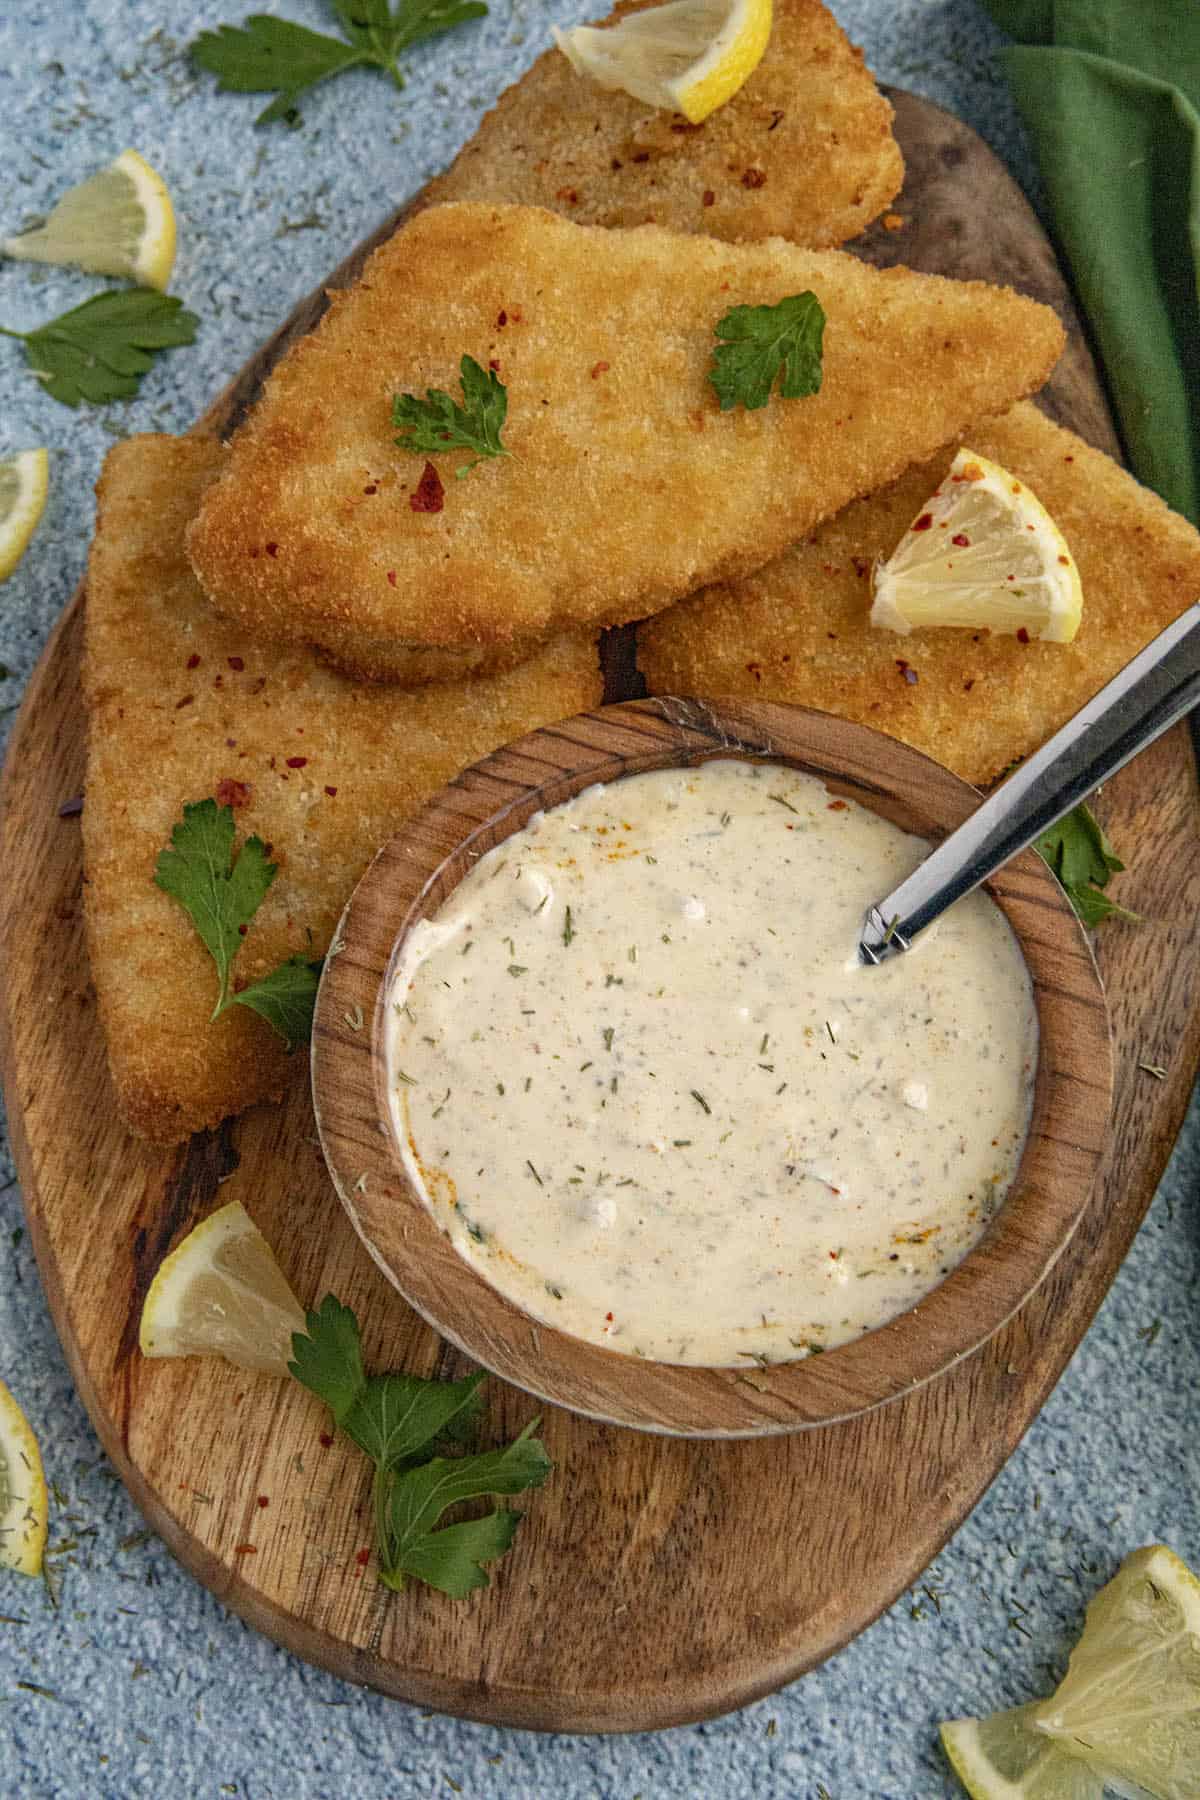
[(431, 426), (397, 1420), (221, 897), (1078, 851), (99, 351), (265, 54), (760, 344)]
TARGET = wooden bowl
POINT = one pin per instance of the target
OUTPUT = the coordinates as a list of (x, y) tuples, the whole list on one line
[(415, 872)]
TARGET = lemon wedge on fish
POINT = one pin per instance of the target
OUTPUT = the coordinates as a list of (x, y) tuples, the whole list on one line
[(689, 56), (119, 221), (983, 553), (1127, 1712), (24, 480), (222, 1293), (24, 1510)]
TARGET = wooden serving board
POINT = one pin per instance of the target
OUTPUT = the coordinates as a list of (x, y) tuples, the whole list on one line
[(654, 1581)]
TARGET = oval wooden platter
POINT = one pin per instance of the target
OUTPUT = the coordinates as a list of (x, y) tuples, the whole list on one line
[(654, 1580), (416, 872)]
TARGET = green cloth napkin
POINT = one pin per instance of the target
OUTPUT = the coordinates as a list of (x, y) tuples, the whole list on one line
[(1110, 91)]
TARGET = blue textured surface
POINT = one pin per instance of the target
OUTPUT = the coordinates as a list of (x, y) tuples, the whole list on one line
[(157, 1690)]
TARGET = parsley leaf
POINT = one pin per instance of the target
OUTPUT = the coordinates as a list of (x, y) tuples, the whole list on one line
[(449, 1559), (432, 426), (1079, 853), (328, 1361), (99, 351), (220, 896), (763, 342), (264, 53), (285, 998), (395, 1419)]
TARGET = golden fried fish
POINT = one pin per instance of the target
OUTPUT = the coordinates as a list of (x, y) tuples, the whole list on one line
[(183, 705), (976, 701), (625, 486), (804, 150)]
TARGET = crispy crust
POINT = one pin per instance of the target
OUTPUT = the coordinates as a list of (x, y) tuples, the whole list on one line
[(180, 701), (798, 631), (626, 486), (804, 150), (416, 665)]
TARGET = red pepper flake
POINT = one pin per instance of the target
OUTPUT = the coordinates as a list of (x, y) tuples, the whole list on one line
[(836, 806), (616, 163), (494, 363), (1065, 561), (263, 1500), (708, 198), (332, 792), (391, 575), (193, 661), (754, 178), (862, 567), (962, 540), (242, 930), (272, 549), (373, 489), (755, 669), (642, 156), (430, 496), (232, 793), (923, 523), (296, 762), (501, 319), (326, 1439), (608, 1317), (245, 1549), (362, 1558), (570, 195), (186, 701), (968, 685), (598, 369), (236, 663), (909, 674), (1022, 636), (1068, 459), (776, 118)]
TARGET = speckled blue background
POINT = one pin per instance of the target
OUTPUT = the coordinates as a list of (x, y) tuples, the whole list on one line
[(153, 1689)]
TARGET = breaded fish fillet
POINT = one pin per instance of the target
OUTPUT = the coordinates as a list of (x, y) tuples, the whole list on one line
[(626, 487), (804, 150), (798, 631), (183, 705)]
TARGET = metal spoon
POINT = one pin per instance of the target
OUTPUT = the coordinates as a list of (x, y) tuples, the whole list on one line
[(1149, 695)]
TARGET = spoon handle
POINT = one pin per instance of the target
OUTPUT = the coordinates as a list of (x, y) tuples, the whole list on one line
[(1148, 696)]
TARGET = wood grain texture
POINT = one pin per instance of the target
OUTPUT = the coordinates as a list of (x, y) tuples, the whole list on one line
[(414, 875), (654, 1580)]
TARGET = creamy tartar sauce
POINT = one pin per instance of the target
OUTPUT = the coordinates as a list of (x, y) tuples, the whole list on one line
[(640, 1079)]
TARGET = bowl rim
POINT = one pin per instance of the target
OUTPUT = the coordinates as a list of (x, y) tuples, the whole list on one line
[(414, 872)]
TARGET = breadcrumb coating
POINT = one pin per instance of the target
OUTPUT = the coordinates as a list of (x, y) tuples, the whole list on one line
[(182, 705)]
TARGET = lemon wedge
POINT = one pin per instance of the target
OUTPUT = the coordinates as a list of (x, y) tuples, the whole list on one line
[(1127, 1712), (24, 1511), (23, 482), (983, 552), (689, 56), (117, 222), (222, 1293)]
